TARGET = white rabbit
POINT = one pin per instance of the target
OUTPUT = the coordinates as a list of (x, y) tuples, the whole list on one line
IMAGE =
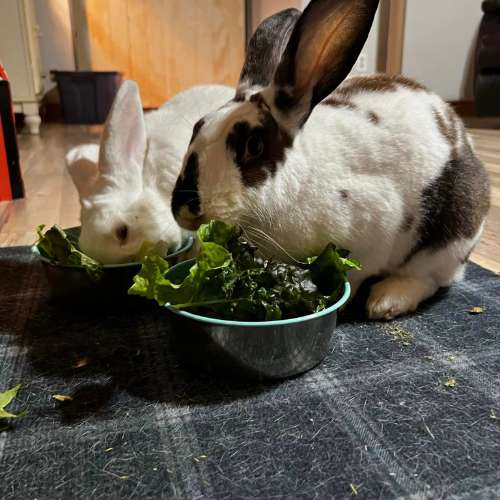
[(381, 166), (125, 186)]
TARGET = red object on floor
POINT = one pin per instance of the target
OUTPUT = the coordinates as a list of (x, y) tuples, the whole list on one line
[(11, 183), (5, 191)]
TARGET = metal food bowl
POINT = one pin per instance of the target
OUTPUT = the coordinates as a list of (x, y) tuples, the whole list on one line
[(72, 284), (264, 350)]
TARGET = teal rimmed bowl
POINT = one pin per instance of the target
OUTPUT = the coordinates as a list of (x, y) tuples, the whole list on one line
[(264, 350), (71, 284)]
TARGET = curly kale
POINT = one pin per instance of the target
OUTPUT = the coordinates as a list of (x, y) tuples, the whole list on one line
[(229, 281)]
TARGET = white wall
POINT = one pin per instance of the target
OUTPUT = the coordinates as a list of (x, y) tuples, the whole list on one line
[(263, 8), (440, 37), (56, 43)]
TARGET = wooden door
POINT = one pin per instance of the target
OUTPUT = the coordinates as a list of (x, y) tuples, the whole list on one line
[(165, 45)]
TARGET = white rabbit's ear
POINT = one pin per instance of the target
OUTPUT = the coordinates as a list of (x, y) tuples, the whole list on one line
[(322, 50), (81, 162), (265, 49), (123, 143)]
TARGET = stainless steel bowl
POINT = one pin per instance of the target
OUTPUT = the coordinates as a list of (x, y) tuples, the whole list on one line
[(72, 284), (264, 350)]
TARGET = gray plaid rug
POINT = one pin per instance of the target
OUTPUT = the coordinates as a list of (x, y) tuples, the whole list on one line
[(375, 420)]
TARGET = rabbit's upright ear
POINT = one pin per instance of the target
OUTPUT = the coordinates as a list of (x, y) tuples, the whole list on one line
[(265, 49), (123, 142), (81, 162), (322, 50)]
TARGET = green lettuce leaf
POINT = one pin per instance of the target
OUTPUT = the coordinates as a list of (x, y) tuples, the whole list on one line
[(217, 232), (57, 246), (152, 283)]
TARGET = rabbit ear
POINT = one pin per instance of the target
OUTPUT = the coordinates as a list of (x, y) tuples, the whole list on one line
[(81, 163), (265, 49), (123, 143), (322, 50)]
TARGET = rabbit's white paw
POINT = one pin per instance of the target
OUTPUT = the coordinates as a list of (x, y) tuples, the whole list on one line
[(397, 295)]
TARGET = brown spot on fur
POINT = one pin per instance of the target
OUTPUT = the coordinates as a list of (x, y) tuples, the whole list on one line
[(442, 125), (454, 204), (342, 103), (407, 223), (377, 83), (344, 193), (449, 125), (339, 103), (275, 141), (409, 83), (358, 84), (373, 117)]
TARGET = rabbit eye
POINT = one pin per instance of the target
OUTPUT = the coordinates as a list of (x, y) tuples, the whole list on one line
[(121, 233), (255, 146)]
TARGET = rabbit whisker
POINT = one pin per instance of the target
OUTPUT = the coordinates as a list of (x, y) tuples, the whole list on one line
[(186, 121), (263, 236)]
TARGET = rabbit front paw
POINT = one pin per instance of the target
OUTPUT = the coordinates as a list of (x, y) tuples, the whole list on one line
[(397, 295)]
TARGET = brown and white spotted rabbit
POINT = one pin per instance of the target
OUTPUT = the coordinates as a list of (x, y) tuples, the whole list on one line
[(300, 157)]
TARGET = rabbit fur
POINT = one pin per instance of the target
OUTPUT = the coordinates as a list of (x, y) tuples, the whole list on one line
[(302, 156), (125, 184)]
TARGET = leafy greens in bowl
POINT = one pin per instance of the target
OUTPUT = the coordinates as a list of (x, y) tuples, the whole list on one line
[(75, 277), (61, 247), (230, 281)]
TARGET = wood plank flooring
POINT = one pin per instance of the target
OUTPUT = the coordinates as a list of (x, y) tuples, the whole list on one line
[(487, 252), (51, 197)]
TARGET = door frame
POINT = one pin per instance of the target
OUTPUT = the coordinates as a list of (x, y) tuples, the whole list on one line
[(391, 36)]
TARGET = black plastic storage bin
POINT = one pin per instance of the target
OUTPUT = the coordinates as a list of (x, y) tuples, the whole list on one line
[(87, 96)]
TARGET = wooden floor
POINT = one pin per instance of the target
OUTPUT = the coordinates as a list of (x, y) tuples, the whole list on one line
[(51, 197), (487, 253)]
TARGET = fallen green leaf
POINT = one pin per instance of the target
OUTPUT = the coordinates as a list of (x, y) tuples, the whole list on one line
[(5, 399), (61, 398), (398, 334), (450, 382), (81, 363), (476, 310)]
